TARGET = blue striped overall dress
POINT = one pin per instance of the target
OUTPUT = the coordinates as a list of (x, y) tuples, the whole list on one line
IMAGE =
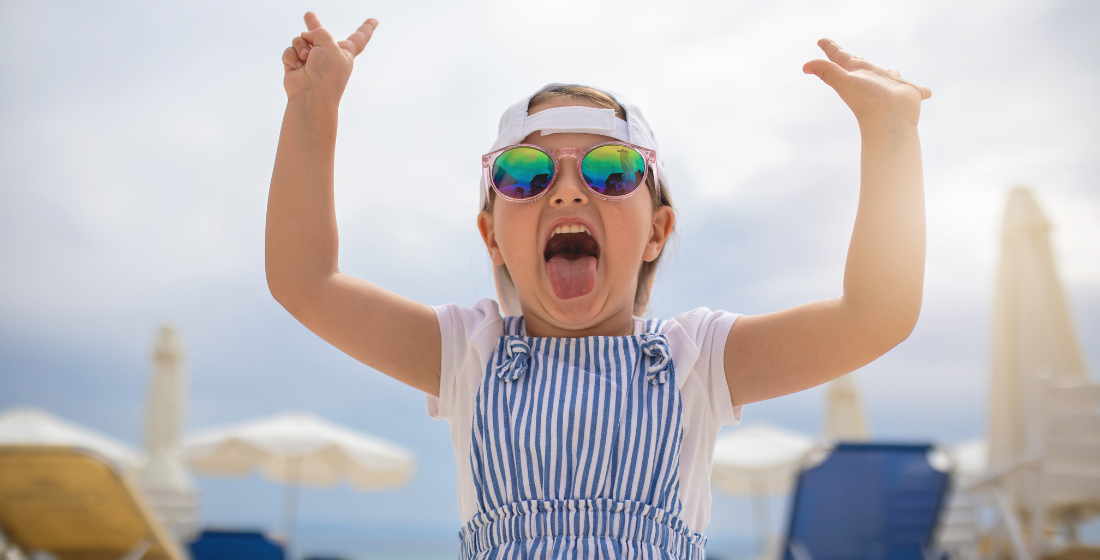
[(575, 454)]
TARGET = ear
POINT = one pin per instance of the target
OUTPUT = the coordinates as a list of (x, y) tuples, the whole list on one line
[(659, 231), (485, 226)]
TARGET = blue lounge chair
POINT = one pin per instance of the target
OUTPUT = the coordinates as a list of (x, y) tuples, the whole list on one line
[(235, 545), (867, 501)]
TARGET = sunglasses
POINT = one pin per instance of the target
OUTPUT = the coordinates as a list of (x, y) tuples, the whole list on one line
[(524, 172)]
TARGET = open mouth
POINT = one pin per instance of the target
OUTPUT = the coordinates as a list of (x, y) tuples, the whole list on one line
[(571, 255)]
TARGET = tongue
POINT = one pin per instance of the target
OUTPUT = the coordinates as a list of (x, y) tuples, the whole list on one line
[(571, 278)]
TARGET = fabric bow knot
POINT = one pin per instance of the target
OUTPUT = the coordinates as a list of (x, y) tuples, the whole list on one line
[(656, 347), (518, 357)]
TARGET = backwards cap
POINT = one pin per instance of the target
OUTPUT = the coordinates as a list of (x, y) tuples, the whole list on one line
[(516, 124)]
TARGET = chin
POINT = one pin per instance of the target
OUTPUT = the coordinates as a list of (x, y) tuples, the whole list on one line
[(576, 312)]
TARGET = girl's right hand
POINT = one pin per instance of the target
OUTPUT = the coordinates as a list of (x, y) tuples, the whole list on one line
[(316, 63)]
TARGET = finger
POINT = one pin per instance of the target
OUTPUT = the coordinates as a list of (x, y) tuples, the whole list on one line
[(356, 42), (319, 37), (840, 56), (312, 21), (291, 60), (924, 92), (834, 52), (829, 72), (301, 47)]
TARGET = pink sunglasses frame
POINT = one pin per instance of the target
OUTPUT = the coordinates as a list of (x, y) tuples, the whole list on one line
[(578, 155)]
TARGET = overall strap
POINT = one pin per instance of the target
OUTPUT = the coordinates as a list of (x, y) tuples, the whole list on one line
[(653, 326), (513, 326)]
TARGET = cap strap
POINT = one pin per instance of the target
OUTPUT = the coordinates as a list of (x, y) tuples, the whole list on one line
[(577, 119)]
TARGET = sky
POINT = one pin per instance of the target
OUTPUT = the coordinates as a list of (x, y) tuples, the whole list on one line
[(138, 140)]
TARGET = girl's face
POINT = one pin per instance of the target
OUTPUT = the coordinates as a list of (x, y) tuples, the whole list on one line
[(583, 283)]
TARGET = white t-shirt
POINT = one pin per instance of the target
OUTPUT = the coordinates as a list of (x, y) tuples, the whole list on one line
[(696, 339)]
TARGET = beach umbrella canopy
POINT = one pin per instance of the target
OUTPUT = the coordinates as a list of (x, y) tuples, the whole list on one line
[(301, 450), (28, 426), (971, 461), (758, 460)]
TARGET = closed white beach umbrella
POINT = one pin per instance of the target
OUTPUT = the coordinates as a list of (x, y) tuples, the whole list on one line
[(164, 477), (164, 417), (1044, 413), (1033, 333), (845, 419), (29, 426), (300, 450)]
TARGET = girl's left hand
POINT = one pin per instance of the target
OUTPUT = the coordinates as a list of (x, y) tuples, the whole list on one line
[(871, 92)]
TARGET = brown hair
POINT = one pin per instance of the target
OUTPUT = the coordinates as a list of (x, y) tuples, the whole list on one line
[(658, 192)]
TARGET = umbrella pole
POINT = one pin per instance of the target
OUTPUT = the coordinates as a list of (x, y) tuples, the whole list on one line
[(290, 498)]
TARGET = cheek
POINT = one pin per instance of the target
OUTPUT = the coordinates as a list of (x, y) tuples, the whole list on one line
[(515, 233), (628, 227)]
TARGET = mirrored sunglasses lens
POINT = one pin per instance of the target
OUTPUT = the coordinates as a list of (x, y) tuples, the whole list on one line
[(613, 170), (522, 173)]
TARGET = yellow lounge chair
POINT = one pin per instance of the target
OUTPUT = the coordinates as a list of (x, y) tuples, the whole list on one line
[(77, 506)]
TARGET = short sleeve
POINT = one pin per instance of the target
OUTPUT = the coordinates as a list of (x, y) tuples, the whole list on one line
[(709, 331), (466, 334)]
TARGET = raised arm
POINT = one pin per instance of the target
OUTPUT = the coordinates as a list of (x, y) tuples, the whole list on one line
[(771, 355), (392, 334)]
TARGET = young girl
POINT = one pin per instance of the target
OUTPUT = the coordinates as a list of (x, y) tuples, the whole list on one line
[(580, 429)]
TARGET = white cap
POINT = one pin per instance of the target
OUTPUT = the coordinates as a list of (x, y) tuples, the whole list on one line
[(516, 124)]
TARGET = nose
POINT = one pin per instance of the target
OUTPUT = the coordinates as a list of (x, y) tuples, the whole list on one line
[(569, 189)]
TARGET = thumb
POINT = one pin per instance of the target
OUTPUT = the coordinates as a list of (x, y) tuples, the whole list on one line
[(829, 72)]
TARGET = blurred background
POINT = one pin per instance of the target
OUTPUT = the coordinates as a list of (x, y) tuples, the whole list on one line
[(138, 139)]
